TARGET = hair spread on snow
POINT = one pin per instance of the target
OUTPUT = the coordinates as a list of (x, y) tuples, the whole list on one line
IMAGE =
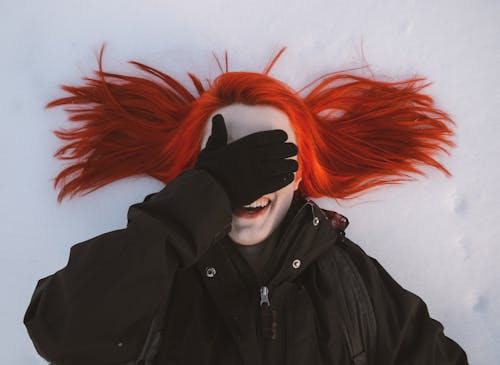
[(353, 133)]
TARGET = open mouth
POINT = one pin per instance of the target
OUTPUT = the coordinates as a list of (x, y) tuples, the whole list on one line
[(256, 209)]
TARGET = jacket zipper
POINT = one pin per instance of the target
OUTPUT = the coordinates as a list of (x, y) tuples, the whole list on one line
[(268, 316)]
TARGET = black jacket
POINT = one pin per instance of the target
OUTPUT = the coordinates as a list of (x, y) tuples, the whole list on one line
[(169, 289)]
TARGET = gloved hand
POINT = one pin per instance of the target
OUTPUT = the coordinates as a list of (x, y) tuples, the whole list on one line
[(250, 166)]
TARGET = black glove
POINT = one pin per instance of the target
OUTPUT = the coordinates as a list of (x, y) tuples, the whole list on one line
[(250, 166)]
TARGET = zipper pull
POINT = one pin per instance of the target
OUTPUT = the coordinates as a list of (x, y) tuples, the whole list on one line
[(264, 296), (268, 316)]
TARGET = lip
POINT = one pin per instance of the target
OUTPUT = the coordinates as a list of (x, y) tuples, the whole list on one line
[(241, 213)]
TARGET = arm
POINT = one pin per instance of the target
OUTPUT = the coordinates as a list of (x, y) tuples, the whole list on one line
[(406, 332), (98, 309)]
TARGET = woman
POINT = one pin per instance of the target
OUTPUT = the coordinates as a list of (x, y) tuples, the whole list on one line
[(231, 263)]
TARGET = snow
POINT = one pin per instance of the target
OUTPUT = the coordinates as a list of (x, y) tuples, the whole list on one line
[(437, 236)]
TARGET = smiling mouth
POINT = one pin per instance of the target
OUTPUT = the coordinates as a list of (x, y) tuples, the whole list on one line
[(256, 209)]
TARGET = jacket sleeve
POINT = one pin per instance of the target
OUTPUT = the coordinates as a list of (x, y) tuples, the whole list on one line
[(98, 309), (406, 334)]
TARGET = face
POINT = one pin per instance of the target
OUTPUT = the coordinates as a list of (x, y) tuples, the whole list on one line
[(242, 120)]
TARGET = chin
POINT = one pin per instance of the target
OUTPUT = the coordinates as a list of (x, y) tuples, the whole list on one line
[(247, 239)]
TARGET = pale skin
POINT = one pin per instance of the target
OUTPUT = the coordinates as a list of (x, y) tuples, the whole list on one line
[(242, 120)]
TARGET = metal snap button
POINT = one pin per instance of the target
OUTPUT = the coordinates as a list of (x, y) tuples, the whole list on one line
[(120, 344), (210, 272), (296, 263), (315, 221)]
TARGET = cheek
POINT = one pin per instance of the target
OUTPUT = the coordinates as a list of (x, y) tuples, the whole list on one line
[(283, 200), (279, 214)]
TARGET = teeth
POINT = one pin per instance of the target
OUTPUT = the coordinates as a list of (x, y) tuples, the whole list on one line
[(261, 202)]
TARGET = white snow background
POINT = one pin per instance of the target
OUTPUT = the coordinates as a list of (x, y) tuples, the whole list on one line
[(437, 236)]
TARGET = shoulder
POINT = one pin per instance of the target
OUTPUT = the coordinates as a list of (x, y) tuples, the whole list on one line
[(348, 260), (380, 284), (367, 266), (385, 293), (346, 252)]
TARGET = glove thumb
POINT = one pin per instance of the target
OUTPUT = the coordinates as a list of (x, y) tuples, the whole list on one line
[(218, 138)]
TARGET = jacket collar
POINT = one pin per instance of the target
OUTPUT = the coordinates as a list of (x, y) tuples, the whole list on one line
[(309, 232)]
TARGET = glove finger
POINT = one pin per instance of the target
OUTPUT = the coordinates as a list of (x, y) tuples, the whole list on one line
[(277, 182), (218, 138), (271, 168), (278, 151), (263, 138)]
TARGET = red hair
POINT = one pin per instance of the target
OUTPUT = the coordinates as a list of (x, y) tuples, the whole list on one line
[(353, 133)]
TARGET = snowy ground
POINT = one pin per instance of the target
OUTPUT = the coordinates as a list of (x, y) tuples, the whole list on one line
[(438, 236)]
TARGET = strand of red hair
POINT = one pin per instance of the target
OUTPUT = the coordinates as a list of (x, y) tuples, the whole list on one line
[(373, 133), (354, 133), (124, 127)]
